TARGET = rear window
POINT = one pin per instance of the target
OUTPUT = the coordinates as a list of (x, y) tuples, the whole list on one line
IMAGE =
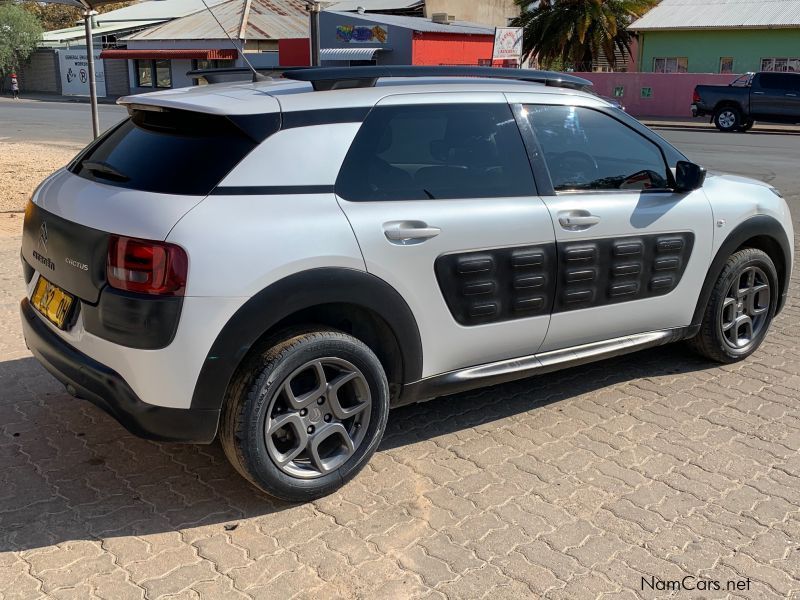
[(443, 151), (170, 152)]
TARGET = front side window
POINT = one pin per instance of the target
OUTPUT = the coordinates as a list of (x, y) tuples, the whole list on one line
[(435, 152), (673, 64), (588, 150)]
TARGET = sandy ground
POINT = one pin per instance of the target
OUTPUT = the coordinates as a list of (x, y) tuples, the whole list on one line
[(22, 168)]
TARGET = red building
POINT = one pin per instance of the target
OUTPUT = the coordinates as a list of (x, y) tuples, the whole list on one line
[(361, 39)]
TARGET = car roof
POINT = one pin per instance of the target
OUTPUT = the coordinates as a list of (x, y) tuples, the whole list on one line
[(246, 98)]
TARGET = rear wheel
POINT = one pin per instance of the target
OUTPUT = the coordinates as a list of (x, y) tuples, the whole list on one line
[(305, 416), (741, 308), (727, 118)]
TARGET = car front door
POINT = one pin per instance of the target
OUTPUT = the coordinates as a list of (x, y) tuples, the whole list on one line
[(439, 192), (632, 254)]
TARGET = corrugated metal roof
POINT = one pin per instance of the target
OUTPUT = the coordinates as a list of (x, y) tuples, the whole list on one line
[(720, 14), (418, 23), (373, 4), (265, 20), (79, 32), (155, 10)]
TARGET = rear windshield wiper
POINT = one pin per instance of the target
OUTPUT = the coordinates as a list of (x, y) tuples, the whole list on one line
[(103, 169)]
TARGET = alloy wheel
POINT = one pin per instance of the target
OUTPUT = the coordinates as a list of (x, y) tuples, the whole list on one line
[(745, 308), (318, 418), (726, 119)]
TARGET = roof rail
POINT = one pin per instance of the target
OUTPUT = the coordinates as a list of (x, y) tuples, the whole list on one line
[(334, 78)]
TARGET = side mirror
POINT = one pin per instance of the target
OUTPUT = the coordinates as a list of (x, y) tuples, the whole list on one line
[(689, 176)]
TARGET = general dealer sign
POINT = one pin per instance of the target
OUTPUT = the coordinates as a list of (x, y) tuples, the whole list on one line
[(507, 43), (75, 73)]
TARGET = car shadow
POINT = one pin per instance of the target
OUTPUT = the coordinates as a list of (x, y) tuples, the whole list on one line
[(68, 471)]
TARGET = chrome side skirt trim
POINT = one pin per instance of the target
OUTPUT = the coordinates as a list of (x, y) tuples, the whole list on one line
[(512, 369)]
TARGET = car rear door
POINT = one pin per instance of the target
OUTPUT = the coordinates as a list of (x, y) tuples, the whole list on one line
[(632, 255), (439, 191), (772, 96)]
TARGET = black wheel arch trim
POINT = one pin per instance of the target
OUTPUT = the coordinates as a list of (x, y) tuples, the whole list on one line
[(304, 290), (755, 226)]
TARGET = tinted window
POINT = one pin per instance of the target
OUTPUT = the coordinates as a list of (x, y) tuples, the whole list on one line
[(588, 150), (173, 152), (778, 81), (436, 151)]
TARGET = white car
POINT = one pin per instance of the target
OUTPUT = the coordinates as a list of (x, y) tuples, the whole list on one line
[(279, 263)]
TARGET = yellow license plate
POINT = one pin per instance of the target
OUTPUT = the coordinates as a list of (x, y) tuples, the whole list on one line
[(53, 302)]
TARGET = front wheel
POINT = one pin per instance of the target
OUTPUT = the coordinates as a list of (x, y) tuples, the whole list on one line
[(304, 417), (727, 119), (741, 308)]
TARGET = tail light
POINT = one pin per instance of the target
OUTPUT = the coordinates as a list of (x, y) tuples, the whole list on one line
[(146, 267), (696, 96)]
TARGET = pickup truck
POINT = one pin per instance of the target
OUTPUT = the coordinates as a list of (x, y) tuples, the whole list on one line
[(771, 97)]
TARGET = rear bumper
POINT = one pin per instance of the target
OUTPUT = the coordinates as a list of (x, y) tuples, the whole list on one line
[(86, 378)]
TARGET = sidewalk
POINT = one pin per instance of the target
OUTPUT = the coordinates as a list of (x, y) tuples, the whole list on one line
[(46, 97), (702, 123)]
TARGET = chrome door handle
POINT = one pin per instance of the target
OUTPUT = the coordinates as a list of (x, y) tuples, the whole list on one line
[(758, 93), (577, 220), (792, 95), (409, 232)]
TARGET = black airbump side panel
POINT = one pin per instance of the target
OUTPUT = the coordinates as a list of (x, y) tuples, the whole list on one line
[(610, 270), (499, 284)]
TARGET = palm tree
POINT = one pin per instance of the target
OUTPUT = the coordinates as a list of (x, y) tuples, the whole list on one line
[(573, 33)]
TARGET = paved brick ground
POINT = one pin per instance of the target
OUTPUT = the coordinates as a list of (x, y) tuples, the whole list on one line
[(573, 485)]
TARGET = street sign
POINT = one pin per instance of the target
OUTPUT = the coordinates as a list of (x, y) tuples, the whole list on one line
[(507, 43), (74, 68)]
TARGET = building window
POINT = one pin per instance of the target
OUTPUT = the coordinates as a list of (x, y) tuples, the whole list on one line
[(149, 72), (144, 74), (216, 63), (726, 65), (675, 64), (781, 65)]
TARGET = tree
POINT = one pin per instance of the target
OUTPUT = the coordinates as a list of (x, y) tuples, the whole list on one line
[(20, 32), (60, 16), (574, 33)]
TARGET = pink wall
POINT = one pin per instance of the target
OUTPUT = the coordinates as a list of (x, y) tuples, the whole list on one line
[(671, 92)]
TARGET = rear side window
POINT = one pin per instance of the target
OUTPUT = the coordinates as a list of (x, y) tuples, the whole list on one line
[(171, 152), (436, 151), (779, 81)]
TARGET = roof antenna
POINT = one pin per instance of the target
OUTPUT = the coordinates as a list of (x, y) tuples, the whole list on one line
[(256, 75)]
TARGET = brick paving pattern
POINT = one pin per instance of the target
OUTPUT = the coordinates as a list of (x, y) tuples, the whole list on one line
[(571, 485)]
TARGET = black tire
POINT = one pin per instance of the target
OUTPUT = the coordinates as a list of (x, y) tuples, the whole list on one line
[(747, 125), (728, 118), (714, 340), (257, 398)]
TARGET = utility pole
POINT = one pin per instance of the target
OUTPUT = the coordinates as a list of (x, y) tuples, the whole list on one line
[(88, 15), (314, 9)]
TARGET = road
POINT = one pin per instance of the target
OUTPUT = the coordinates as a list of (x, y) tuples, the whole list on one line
[(52, 121), (595, 482)]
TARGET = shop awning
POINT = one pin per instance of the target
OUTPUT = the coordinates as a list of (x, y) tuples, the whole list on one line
[(348, 53), (200, 54)]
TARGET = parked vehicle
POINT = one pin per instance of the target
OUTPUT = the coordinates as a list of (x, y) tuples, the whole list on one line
[(279, 263), (769, 97)]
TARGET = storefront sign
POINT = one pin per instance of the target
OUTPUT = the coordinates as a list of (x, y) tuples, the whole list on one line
[(75, 73), (507, 43), (362, 34)]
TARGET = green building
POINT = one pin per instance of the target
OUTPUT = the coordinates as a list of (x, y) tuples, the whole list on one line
[(719, 36)]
